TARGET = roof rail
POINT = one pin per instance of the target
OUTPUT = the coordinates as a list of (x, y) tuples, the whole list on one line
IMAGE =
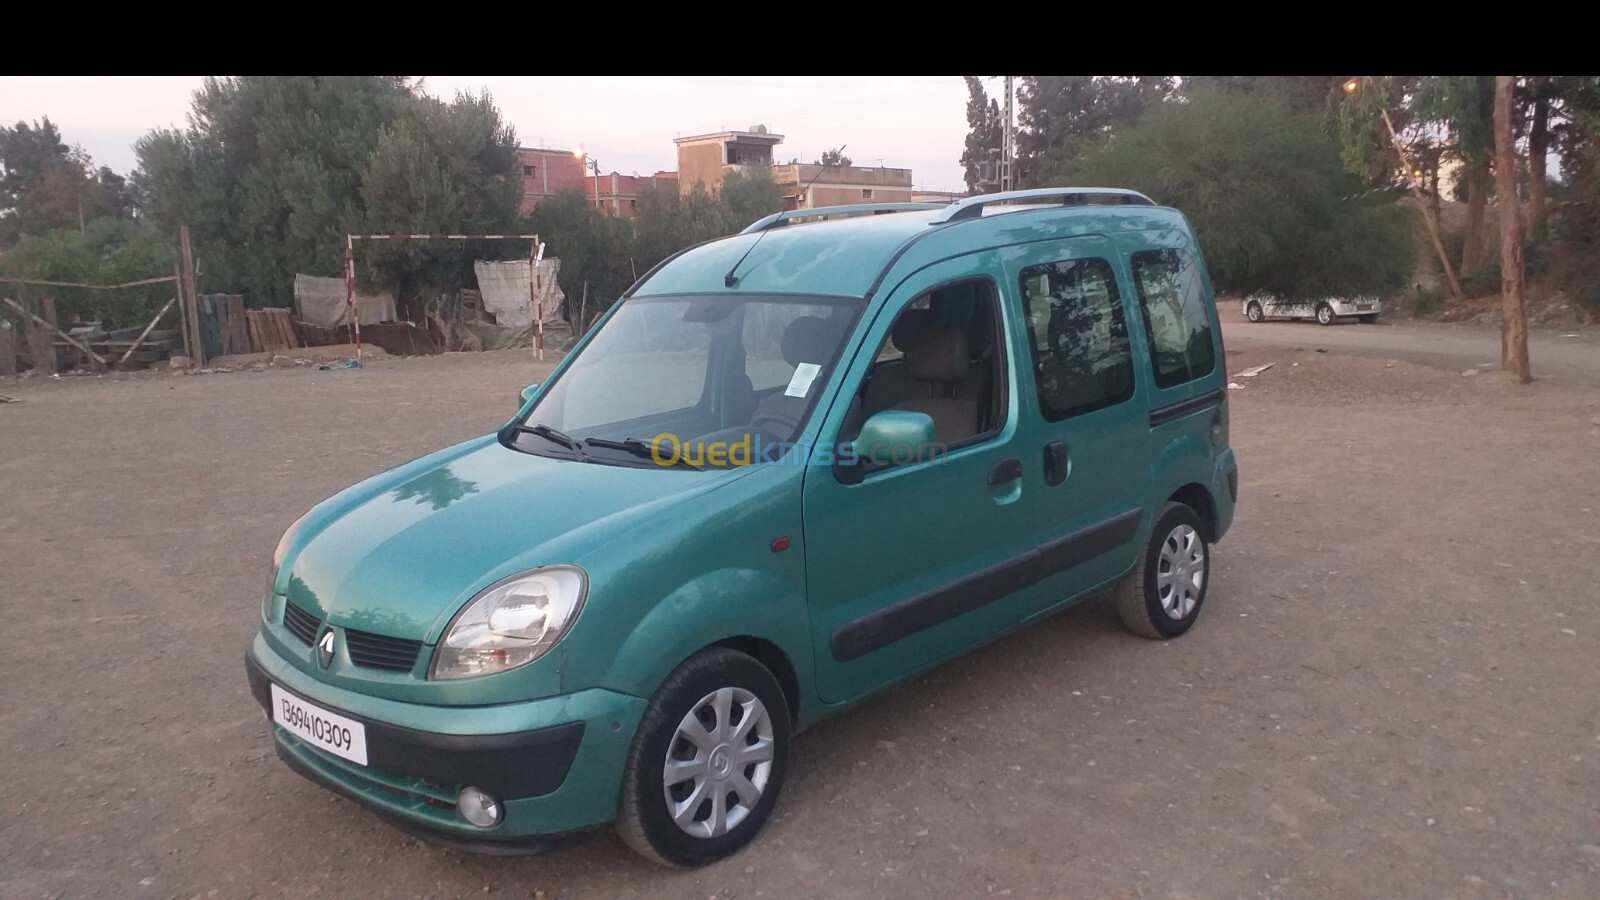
[(783, 218), (972, 207)]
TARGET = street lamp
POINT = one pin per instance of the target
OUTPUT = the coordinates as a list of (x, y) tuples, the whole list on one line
[(1351, 86), (593, 163)]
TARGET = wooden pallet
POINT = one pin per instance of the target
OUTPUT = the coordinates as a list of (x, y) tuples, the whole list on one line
[(223, 330), (271, 330)]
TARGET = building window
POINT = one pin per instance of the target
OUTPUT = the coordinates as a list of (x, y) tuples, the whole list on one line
[(528, 171), (866, 193)]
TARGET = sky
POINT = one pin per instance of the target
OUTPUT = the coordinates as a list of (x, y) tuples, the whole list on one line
[(626, 123)]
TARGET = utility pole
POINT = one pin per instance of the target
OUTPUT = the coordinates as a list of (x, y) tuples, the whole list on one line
[(1008, 149)]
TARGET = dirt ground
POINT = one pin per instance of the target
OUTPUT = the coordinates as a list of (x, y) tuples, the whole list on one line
[(1392, 691)]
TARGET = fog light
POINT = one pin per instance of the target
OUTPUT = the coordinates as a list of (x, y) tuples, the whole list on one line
[(479, 808)]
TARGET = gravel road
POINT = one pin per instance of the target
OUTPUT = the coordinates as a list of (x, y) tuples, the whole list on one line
[(1391, 692)]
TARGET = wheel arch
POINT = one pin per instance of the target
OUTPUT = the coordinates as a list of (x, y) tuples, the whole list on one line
[(1198, 497), (777, 662)]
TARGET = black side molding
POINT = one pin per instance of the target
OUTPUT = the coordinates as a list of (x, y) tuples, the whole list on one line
[(1173, 411), (882, 627)]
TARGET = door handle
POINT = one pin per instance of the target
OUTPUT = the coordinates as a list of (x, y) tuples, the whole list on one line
[(1007, 469), (1055, 462)]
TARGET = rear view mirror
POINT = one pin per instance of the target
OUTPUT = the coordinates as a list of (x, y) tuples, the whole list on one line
[(891, 438), (895, 437), (527, 394)]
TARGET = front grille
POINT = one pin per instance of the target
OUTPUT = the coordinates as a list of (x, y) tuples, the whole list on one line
[(300, 623), (377, 651)]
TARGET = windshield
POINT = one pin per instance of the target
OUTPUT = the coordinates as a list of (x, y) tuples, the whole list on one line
[(701, 371)]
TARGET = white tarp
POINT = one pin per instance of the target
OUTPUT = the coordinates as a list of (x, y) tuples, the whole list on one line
[(320, 301), (504, 286)]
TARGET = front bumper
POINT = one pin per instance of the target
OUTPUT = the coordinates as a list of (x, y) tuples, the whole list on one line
[(555, 764)]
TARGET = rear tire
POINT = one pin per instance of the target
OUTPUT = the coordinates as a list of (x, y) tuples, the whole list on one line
[(1253, 312), (1368, 320), (1324, 314), (1161, 598), (707, 762)]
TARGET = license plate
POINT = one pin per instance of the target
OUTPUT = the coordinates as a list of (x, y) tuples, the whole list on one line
[(316, 726), (1363, 306)]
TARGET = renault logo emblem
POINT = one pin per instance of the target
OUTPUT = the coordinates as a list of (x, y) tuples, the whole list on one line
[(325, 648)]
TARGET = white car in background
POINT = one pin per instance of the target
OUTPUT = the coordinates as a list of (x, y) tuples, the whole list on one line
[(1268, 306)]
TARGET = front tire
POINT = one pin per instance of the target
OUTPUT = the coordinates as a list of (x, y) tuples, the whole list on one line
[(1162, 596), (1253, 312), (1324, 314), (707, 762)]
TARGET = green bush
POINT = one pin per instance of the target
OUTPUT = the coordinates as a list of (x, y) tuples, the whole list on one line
[(108, 251), (1264, 187), (1426, 300)]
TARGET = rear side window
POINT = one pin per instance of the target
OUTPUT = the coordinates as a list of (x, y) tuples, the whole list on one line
[(1174, 316), (1081, 355)]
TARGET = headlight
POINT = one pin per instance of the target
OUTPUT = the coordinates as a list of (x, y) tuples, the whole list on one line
[(510, 623)]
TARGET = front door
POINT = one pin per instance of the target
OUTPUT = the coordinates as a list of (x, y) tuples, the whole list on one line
[(921, 560)]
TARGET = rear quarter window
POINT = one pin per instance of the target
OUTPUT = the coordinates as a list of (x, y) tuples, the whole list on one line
[(1182, 347)]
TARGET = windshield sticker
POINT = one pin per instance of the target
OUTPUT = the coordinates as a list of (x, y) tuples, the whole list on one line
[(804, 374)]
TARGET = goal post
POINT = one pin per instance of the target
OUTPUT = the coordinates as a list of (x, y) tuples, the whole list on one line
[(535, 276)]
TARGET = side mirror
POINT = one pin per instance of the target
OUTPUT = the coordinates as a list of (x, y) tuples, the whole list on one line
[(890, 438), (527, 394)]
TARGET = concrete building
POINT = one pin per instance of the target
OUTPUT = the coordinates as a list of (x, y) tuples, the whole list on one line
[(706, 158), (544, 172), (619, 194), (937, 196), (807, 185)]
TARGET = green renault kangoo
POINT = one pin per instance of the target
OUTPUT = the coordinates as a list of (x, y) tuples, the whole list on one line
[(788, 469)]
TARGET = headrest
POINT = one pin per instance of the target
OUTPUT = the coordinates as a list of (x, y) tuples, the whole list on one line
[(938, 352), (808, 339), (904, 329)]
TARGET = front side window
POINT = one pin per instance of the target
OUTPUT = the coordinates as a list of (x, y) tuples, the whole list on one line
[(1175, 315), (942, 357), (698, 369), (1082, 358)]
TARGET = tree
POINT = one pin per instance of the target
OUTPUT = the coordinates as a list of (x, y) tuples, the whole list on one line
[(1265, 189), (594, 247), (752, 194), (27, 152), (834, 157), (268, 175), (1513, 311), (440, 167), (1300, 93), (669, 221), (1540, 92), (1372, 146), (47, 185), (1464, 106), (1061, 116), (983, 133)]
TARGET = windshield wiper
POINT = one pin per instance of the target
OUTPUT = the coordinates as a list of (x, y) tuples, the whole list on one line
[(638, 448), (559, 437)]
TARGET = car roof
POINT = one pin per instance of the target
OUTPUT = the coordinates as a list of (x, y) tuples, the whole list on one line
[(848, 256)]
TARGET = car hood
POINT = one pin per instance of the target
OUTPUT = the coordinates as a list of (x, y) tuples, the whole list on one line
[(399, 553)]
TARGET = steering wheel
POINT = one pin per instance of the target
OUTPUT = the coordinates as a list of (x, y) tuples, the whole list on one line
[(771, 423)]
